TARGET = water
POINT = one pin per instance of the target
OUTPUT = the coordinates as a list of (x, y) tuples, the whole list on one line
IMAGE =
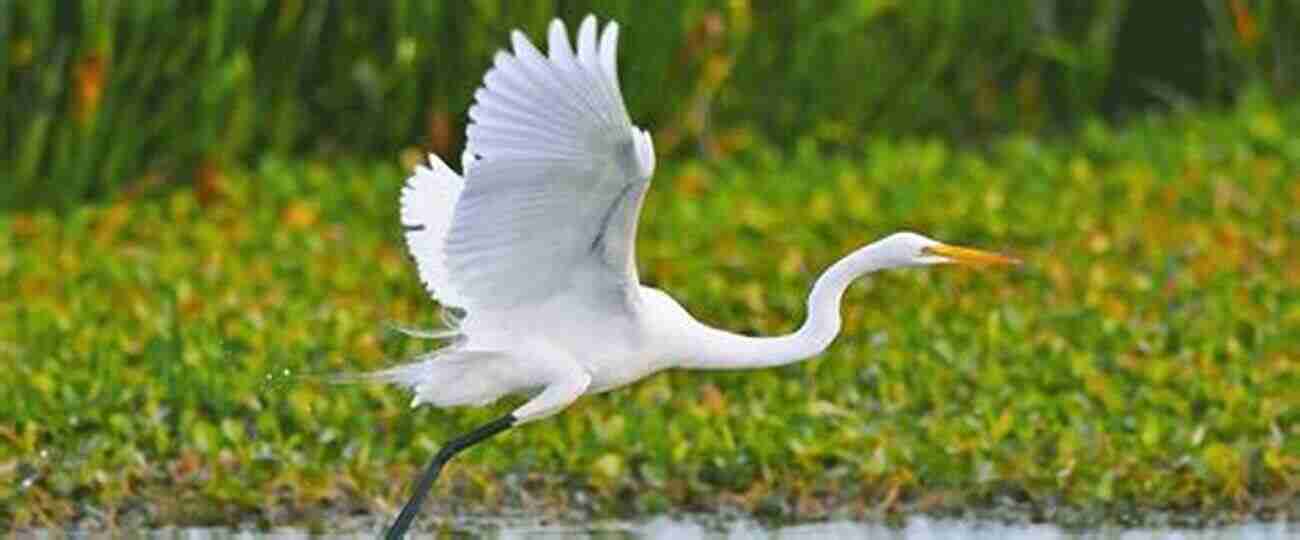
[(677, 528)]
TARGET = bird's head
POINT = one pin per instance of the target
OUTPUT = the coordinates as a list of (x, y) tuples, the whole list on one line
[(907, 249)]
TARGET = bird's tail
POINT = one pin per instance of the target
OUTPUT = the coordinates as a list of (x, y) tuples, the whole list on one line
[(449, 377)]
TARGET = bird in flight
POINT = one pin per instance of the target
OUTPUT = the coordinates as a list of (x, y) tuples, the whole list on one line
[(530, 251)]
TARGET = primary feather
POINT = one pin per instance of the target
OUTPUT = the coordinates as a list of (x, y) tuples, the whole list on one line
[(428, 200), (556, 163)]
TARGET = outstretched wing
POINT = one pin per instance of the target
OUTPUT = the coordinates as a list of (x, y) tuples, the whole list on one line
[(428, 200), (556, 177)]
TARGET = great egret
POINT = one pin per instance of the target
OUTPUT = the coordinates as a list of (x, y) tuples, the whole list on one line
[(531, 253)]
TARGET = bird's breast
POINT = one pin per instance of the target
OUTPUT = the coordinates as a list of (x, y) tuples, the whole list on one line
[(619, 372)]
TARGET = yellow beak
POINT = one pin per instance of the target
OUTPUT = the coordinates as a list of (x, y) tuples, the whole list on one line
[(962, 255)]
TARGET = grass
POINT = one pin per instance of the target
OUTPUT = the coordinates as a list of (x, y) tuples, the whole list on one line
[(158, 351), (207, 85)]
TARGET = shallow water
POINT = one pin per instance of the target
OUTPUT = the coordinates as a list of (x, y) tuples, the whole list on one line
[(690, 529), (913, 528)]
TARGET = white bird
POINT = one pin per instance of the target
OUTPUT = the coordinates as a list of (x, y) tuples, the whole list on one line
[(531, 253)]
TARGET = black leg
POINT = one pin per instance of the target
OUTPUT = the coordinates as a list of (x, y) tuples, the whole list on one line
[(403, 522)]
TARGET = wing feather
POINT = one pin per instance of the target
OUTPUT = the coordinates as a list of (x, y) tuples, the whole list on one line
[(427, 202), (558, 173)]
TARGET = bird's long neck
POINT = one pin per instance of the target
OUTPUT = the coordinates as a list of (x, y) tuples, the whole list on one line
[(718, 349)]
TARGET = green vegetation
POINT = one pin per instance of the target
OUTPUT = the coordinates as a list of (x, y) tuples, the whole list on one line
[(161, 347), (158, 351), (207, 86)]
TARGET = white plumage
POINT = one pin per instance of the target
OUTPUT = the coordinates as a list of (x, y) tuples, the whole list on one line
[(555, 152), (428, 201), (536, 245)]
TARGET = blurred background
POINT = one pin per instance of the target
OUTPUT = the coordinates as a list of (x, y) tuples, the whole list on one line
[(198, 216), (105, 98)]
